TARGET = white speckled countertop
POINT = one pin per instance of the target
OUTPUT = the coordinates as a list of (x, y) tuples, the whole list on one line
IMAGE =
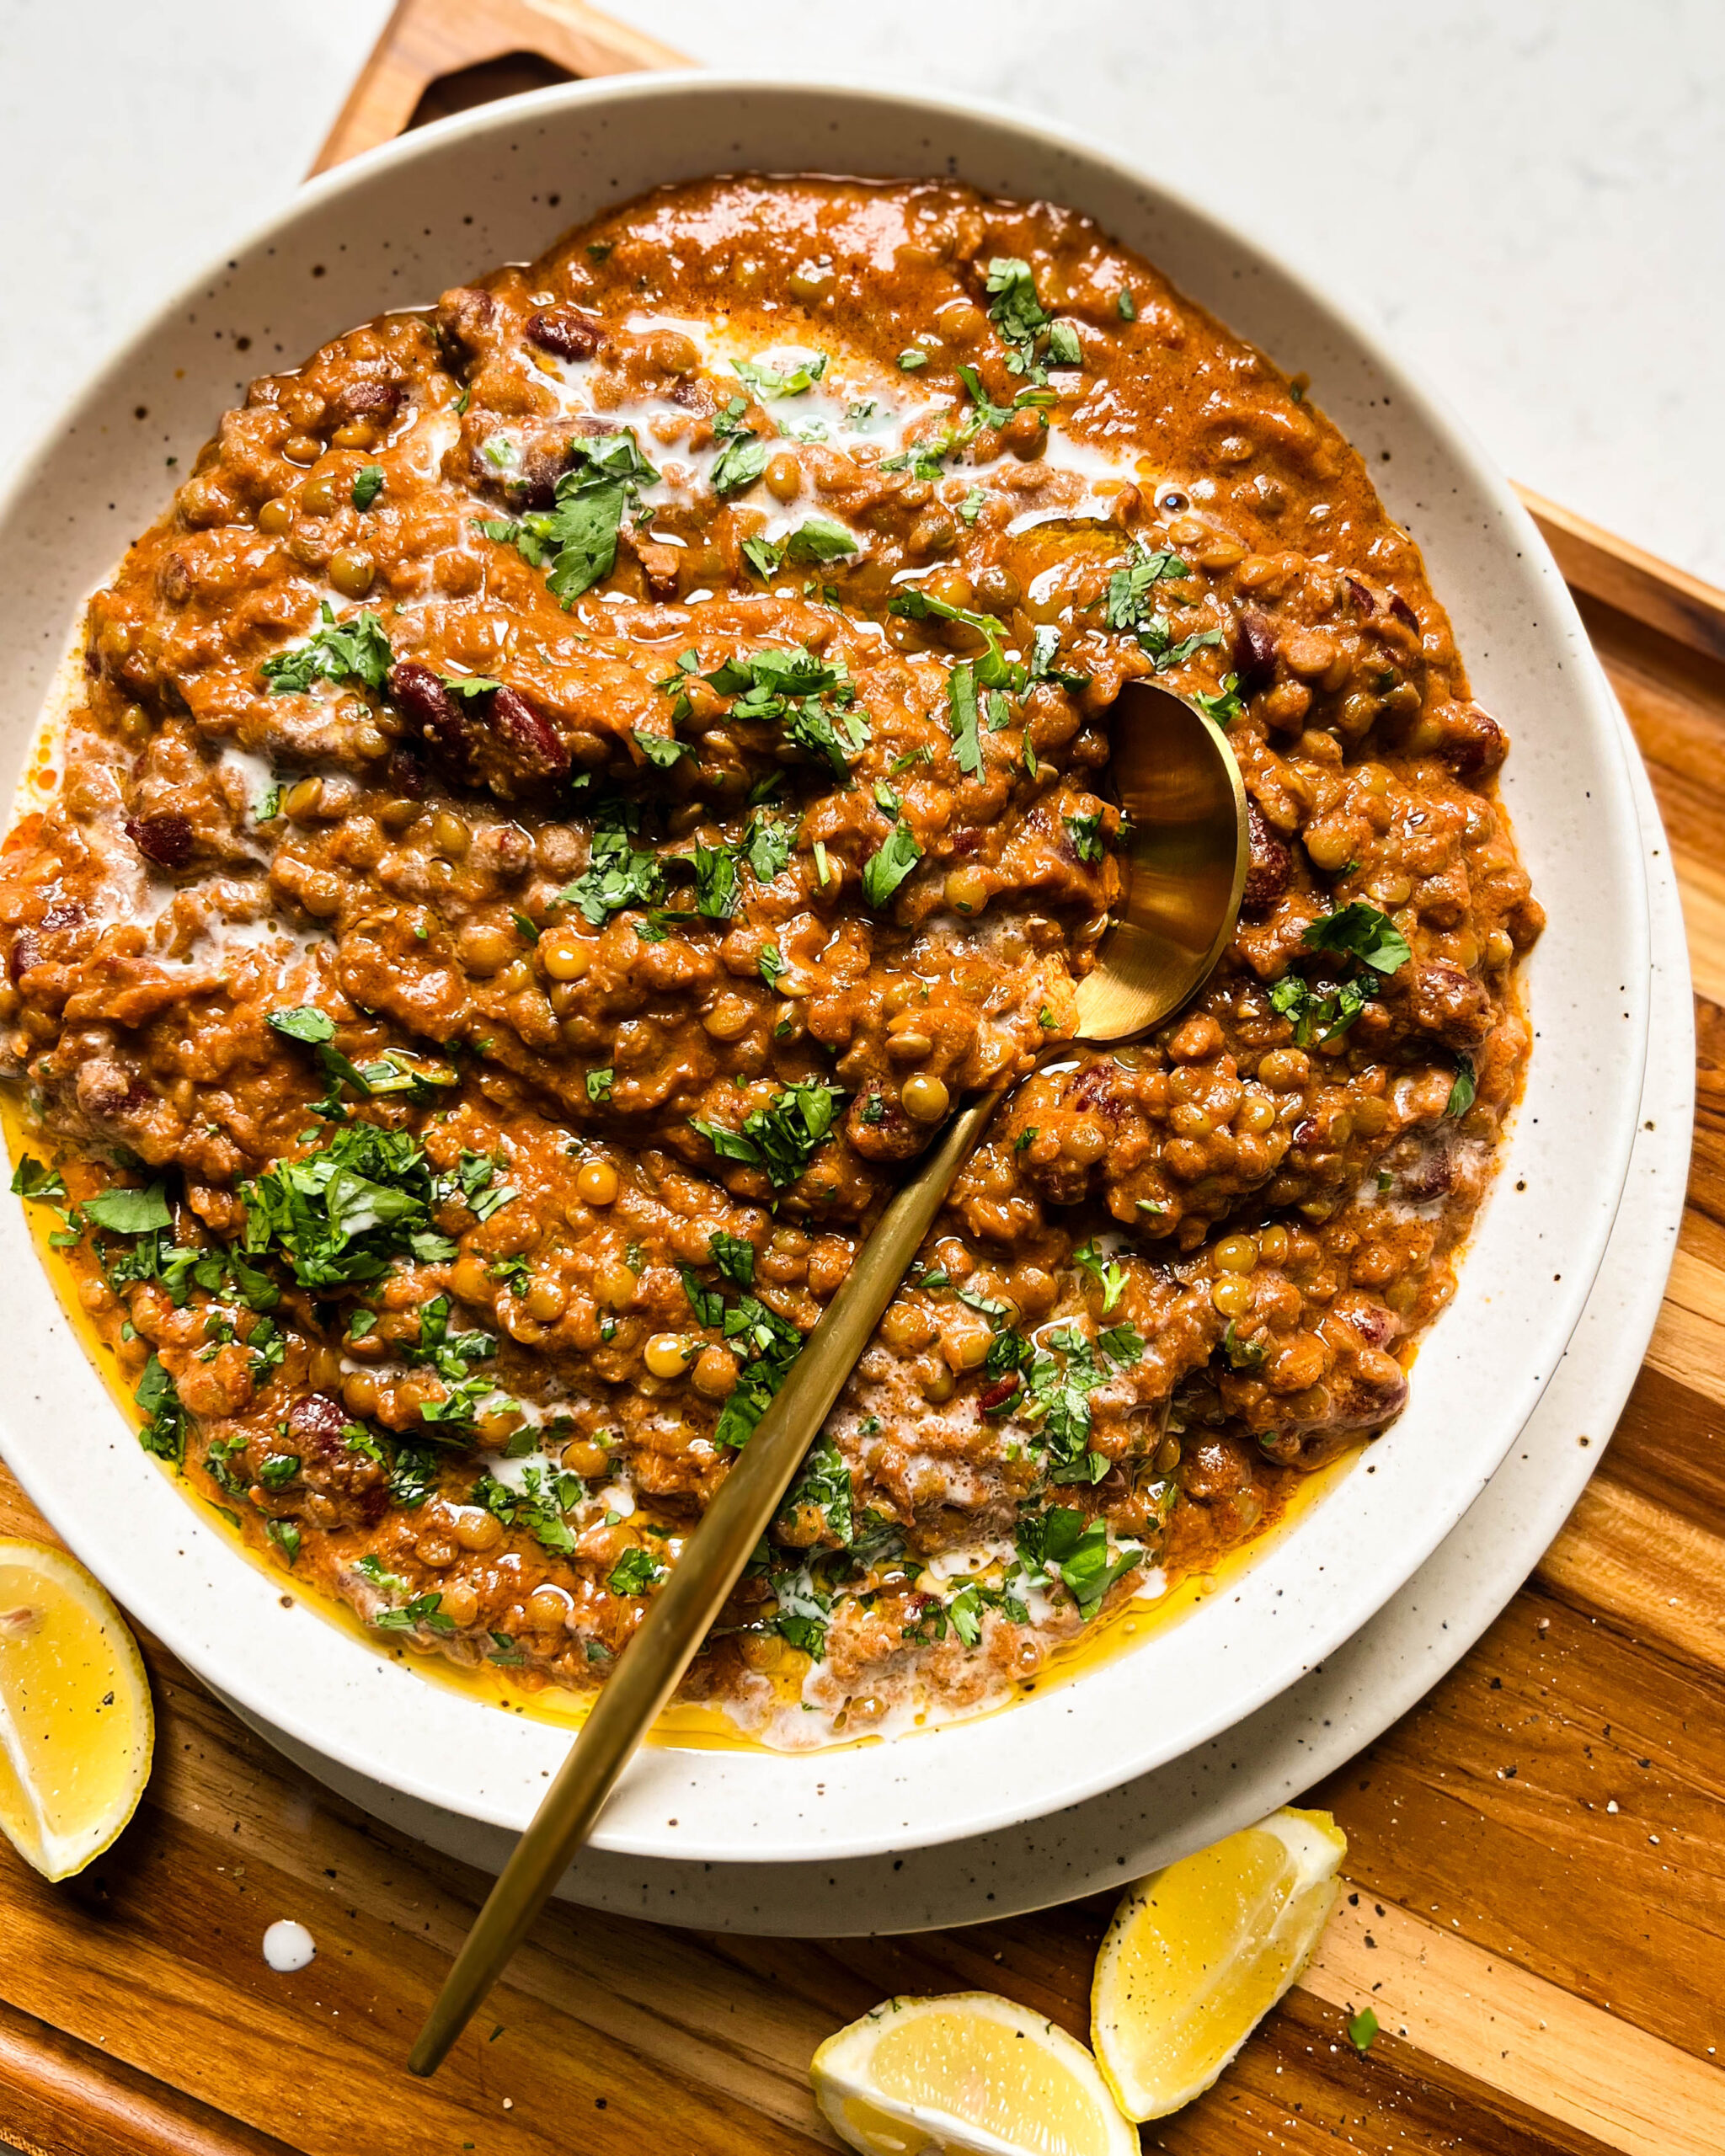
[(1531, 196)]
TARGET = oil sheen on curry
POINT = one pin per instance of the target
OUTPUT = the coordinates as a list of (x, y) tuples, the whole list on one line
[(580, 781)]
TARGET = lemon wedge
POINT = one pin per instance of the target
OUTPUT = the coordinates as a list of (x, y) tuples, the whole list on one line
[(970, 2073), (1199, 1953), (76, 1725)]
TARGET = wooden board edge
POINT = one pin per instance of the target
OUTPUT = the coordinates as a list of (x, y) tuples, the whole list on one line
[(1656, 592), (424, 40)]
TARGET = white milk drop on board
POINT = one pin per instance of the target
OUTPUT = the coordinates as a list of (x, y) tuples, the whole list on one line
[(288, 1947)]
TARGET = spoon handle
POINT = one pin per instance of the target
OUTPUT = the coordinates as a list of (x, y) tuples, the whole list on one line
[(678, 1618)]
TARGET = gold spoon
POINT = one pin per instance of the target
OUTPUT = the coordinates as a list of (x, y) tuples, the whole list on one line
[(1186, 850)]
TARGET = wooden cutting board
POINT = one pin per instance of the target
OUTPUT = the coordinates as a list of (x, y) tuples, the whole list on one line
[(1537, 1852)]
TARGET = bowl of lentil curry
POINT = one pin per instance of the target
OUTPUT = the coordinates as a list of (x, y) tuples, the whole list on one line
[(588, 766)]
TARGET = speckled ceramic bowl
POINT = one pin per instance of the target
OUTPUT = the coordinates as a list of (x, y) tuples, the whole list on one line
[(394, 229)]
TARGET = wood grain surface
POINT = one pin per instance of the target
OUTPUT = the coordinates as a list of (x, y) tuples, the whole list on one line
[(1537, 1905)]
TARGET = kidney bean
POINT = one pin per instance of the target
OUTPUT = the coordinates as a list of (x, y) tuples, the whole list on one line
[(538, 749), (1254, 650), (165, 839), (422, 700), (1474, 742), (368, 398), (565, 331), (463, 321), (316, 1422), (1271, 865), (1446, 1002)]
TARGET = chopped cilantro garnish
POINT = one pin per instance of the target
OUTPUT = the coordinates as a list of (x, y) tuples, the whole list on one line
[(962, 718), (130, 1212), (1058, 1544), (733, 1257), (891, 862), (341, 1213), (31, 1179), (807, 697), (158, 1396), (1224, 708), (634, 1571), (368, 484), (742, 459), (662, 750), (791, 381), (356, 650), (539, 1505), (1362, 933), (1045, 650), (816, 539), (286, 1535), (579, 532), (825, 1482), (617, 874), (1464, 1090), (781, 1139), (1025, 323), (993, 669)]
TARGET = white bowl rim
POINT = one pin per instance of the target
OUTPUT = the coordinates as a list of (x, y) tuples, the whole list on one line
[(778, 1780)]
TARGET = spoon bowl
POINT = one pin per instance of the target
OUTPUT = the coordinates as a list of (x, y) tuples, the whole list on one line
[(1188, 848)]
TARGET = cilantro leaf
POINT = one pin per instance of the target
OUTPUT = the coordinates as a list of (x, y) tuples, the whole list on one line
[(579, 532), (742, 459), (888, 866), (355, 650), (780, 1140), (1016, 312), (304, 1023), (808, 699), (368, 484), (617, 875), (31, 1179), (768, 844), (1464, 1091), (825, 1482), (816, 539), (1059, 1544), (1362, 933), (994, 669), (769, 380), (158, 1396), (661, 750), (634, 1571), (130, 1212), (1045, 650), (539, 1505), (962, 718)]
